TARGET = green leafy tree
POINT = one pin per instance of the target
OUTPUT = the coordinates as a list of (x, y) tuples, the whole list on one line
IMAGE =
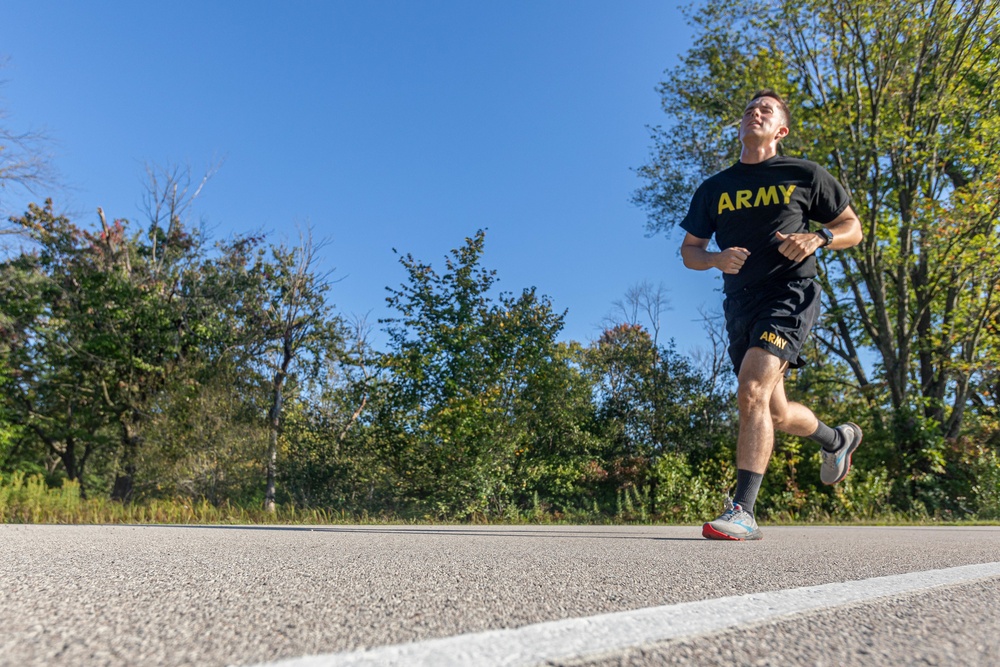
[(558, 463), (290, 331), (48, 300), (899, 101), (331, 458), (8, 431), (652, 401), (459, 365), (146, 327), (104, 326)]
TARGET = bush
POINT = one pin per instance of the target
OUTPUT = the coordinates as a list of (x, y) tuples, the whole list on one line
[(987, 487), (683, 495), (864, 495)]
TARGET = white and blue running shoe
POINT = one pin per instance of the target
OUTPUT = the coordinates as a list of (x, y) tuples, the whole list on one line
[(837, 463), (734, 524)]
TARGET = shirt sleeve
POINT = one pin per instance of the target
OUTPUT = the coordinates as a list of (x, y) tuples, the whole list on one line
[(829, 198), (697, 221)]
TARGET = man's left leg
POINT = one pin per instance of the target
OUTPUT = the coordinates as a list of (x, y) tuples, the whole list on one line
[(760, 374), (838, 444)]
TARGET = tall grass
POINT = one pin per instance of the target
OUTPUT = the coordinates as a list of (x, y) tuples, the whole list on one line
[(28, 499)]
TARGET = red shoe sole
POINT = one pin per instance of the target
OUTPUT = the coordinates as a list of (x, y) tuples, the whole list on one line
[(712, 534)]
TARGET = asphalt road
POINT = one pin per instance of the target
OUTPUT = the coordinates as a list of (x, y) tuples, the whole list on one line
[(159, 595)]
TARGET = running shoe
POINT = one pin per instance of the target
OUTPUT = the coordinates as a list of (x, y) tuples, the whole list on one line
[(734, 524), (837, 463)]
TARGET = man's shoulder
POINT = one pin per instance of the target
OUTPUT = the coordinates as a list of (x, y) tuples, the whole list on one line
[(798, 163), (792, 160)]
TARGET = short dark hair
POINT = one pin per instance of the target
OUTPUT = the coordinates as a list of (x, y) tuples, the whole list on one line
[(770, 92)]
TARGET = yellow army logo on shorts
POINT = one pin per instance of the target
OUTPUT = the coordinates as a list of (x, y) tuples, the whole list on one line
[(746, 199), (774, 339)]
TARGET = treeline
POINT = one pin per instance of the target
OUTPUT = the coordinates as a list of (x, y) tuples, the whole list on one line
[(145, 366), (142, 364)]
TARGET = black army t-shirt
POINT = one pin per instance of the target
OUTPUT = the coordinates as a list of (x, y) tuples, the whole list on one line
[(746, 204)]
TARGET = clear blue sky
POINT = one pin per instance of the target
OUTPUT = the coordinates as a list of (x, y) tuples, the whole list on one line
[(382, 125)]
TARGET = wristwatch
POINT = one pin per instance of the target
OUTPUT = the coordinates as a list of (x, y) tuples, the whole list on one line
[(827, 236)]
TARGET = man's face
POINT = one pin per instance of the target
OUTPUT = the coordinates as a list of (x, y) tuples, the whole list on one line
[(763, 120)]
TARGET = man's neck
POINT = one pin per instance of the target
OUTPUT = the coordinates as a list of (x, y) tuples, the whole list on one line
[(755, 154)]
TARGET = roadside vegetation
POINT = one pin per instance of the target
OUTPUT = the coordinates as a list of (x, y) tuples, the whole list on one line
[(149, 374)]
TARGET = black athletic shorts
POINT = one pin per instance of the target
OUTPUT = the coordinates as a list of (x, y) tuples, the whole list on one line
[(776, 317)]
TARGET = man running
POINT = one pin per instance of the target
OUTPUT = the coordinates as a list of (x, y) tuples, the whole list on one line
[(759, 210)]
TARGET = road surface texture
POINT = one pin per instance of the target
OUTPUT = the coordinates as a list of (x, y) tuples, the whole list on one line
[(197, 595)]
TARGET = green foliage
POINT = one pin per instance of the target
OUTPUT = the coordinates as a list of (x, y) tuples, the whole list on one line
[(206, 440), (864, 496), (652, 403), (291, 331), (683, 494), (558, 458), (111, 333), (986, 489), (9, 431), (899, 101), (31, 500), (474, 413), (464, 371), (53, 303)]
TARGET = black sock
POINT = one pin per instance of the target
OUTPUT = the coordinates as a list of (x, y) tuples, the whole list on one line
[(828, 438), (747, 486)]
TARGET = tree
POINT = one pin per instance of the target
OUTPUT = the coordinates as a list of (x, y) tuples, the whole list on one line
[(24, 164), (558, 461), (48, 300), (151, 324), (899, 101), (652, 401), (290, 327), (100, 336), (459, 366), (103, 325), (643, 305)]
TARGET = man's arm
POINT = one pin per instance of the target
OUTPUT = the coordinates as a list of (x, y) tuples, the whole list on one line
[(696, 255), (846, 230)]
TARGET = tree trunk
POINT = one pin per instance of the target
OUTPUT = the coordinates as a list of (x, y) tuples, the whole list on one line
[(274, 418), (124, 487), (274, 425)]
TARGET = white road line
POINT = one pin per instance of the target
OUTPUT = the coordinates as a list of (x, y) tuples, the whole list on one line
[(599, 635)]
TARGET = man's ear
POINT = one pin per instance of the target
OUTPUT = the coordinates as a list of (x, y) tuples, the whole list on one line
[(782, 132)]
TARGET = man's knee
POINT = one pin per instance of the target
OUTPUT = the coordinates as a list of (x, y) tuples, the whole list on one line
[(753, 395), (759, 374)]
